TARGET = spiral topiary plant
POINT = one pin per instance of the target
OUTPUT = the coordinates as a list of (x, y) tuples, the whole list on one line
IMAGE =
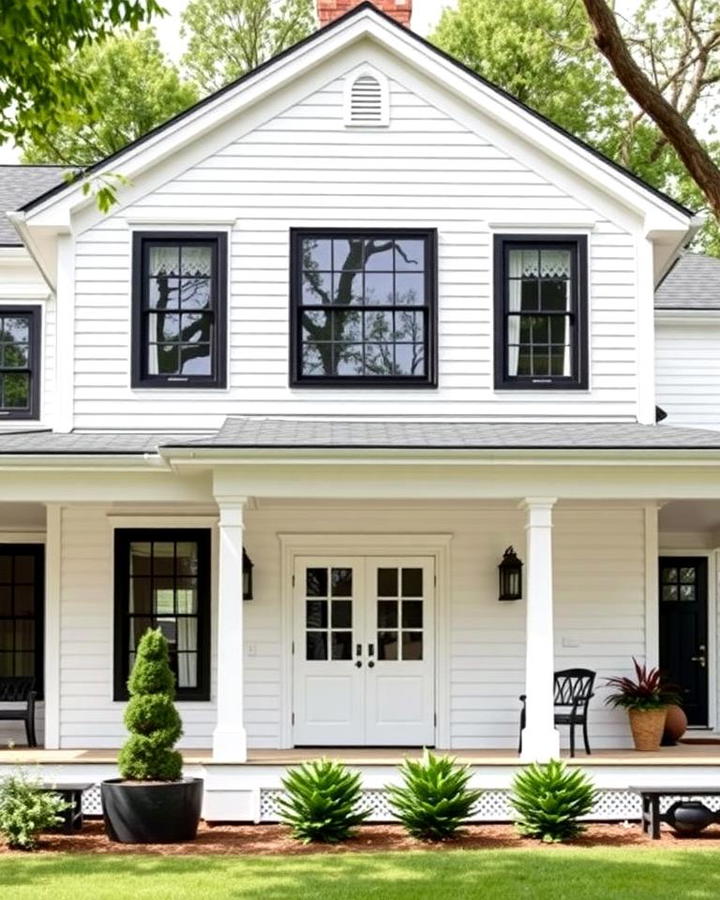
[(549, 800), (150, 717), (435, 799)]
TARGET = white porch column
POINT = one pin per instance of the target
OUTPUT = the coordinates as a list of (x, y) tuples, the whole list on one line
[(229, 737), (541, 740), (53, 614)]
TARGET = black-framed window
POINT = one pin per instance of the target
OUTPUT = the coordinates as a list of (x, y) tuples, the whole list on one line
[(162, 580), (541, 312), (19, 362), (22, 591), (363, 307), (179, 310)]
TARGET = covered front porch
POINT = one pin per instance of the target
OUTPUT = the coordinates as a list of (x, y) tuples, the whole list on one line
[(382, 560)]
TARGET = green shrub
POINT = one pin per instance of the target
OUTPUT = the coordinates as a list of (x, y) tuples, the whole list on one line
[(26, 810), (322, 802), (550, 799), (435, 799), (150, 716)]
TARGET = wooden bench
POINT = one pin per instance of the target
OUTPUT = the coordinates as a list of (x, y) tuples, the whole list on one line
[(651, 797), (72, 817)]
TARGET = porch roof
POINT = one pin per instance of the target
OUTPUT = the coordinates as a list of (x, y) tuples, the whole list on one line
[(279, 433), (288, 434)]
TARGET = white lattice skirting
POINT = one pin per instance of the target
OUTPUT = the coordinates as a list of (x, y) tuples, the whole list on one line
[(493, 806)]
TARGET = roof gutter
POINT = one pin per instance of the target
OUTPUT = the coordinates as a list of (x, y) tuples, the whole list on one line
[(696, 223)]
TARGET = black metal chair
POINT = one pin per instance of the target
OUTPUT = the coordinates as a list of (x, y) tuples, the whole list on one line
[(19, 689), (573, 690)]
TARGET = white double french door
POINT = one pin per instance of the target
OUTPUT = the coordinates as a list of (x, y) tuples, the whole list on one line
[(364, 651)]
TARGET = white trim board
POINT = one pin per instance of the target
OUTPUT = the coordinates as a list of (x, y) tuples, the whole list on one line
[(368, 544)]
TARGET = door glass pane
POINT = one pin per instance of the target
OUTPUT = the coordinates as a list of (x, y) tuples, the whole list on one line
[(342, 582), (316, 614), (687, 575), (412, 582), (342, 614), (669, 575), (342, 644), (687, 592), (24, 569), (387, 611), (412, 614), (669, 592), (387, 582), (6, 600), (25, 600), (316, 645), (316, 583), (387, 645), (412, 645)]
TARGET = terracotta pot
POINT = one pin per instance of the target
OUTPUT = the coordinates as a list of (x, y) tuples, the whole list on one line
[(675, 725), (647, 727)]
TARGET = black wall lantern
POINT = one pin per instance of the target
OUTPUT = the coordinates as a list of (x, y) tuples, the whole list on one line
[(510, 571), (248, 567)]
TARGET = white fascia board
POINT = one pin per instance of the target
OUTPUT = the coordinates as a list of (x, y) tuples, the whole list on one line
[(687, 316), (658, 214)]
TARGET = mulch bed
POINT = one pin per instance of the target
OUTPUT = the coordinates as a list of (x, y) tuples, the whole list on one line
[(267, 840)]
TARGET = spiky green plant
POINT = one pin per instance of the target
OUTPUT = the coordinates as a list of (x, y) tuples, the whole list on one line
[(550, 798), (434, 799), (321, 802), (151, 717)]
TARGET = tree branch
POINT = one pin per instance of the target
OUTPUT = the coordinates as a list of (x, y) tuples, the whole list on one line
[(679, 134)]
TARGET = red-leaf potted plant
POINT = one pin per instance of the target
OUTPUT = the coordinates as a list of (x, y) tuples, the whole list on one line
[(646, 698), (151, 803)]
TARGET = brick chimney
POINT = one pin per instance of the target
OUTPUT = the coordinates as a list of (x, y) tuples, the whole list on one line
[(328, 10)]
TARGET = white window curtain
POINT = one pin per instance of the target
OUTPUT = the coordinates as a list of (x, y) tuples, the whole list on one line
[(514, 305)]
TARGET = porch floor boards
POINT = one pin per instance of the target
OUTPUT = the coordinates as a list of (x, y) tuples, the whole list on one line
[(681, 755)]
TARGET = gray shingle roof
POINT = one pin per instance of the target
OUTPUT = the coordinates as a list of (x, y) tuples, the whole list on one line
[(103, 443), (289, 433), (692, 283), (19, 185)]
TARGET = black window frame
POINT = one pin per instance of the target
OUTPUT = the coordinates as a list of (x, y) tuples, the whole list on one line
[(578, 245), (121, 664), (407, 382), (34, 367), (140, 377), (37, 551)]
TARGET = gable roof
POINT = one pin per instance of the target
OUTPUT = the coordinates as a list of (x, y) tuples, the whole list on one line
[(19, 184), (360, 10), (692, 283)]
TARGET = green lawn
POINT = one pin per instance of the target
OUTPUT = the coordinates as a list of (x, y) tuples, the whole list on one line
[(556, 872)]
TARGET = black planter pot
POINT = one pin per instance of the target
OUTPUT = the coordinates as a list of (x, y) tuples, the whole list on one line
[(690, 816), (159, 813)]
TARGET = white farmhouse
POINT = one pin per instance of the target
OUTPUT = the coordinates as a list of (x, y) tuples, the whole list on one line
[(359, 323)]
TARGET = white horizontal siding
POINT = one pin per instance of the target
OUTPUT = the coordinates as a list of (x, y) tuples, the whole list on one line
[(599, 584), (687, 367), (303, 168)]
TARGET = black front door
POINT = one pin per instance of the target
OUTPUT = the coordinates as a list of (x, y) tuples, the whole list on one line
[(684, 631)]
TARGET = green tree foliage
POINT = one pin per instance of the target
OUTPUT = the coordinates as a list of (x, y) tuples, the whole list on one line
[(36, 86), (151, 717), (434, 801), (549, 800), (131, 88), (321, 802), (227, 38), (26, 810), (542, 52)]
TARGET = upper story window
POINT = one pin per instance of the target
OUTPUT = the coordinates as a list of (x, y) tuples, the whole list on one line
[(363, 307), (179, 300), (541, 313), (19, 362)]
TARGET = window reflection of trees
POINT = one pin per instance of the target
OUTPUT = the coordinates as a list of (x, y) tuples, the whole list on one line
[(351, 329), (180, 311)]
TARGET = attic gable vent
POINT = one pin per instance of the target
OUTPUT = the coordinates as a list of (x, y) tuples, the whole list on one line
[(366, 101)]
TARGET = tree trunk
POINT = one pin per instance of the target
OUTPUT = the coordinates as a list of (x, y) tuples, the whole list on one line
[(679, 134)]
